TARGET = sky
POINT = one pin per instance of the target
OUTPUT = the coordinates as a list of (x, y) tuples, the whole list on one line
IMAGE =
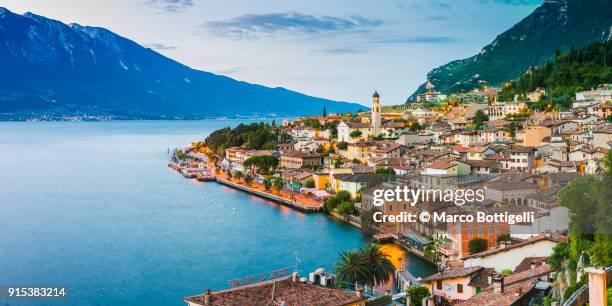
[(336, 49)]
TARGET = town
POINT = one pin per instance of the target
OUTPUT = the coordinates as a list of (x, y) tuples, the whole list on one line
[(521, 156)]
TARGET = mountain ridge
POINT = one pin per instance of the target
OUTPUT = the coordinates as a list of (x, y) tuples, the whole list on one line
[(55, 69), (554, 25)]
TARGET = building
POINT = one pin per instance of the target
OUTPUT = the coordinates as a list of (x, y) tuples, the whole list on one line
[(603, 110), (352, 183), (522, 158), (447, 167), (298, 159), (487, 166), (509, 191), (602, 137), (452, 285), (527, 287), (360, 151), (346, 128), (461, 233), (535, 134), (287, 291), (430, 95), (599, 94), (413, 138), (510, 256), (376, 119), (367, 130), (536, 94)]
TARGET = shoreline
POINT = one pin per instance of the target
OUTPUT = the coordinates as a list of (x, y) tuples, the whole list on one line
[(304, 208)]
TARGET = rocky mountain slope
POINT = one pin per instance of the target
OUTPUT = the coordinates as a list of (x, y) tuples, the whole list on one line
[(555, 25)]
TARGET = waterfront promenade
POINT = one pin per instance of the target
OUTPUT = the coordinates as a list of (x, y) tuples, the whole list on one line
[(284, 197)]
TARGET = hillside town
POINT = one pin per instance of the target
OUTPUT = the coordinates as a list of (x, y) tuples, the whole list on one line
[(522, 158)]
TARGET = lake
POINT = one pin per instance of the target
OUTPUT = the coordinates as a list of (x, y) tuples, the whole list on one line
[(93, 206)]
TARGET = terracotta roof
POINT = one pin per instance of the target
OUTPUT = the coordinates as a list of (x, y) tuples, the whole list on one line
[(481, 163), (515, 286), (358, 178), (526, 263), (441, 164), (460, 149), (521, 149), (358, 125), (497, 123), (454, 272), (481, 279), (531, 240), (277, 292), (299, 154), (510, 185)]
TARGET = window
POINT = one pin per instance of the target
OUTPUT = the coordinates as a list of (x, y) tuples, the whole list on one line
[(470, 234), (480, 233), (490, 231), (439, 285), (459, 288)]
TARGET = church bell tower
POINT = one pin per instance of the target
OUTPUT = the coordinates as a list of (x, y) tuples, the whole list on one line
[(376, 120)]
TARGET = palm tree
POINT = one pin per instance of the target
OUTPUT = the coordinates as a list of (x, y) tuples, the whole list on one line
[(352, 269), (379, 266), (238, 175)]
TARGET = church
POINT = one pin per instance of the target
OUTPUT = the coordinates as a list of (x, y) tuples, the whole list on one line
[(352, 132)]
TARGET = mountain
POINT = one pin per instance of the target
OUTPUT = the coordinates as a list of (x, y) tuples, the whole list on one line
[(53, 69), (571, 72), (555, 25)]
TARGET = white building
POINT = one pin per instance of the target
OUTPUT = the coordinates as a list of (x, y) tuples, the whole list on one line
[(511, 256)]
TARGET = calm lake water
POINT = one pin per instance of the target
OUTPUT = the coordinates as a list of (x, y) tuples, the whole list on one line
[(92, 205)]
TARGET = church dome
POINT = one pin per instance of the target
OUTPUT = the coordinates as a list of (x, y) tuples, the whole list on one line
[(375, 95)]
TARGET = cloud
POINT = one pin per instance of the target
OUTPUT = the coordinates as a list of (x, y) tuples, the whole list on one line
[(417, 40), (160, 46), (514, 2), (170, 6), (340, 50), (258, 25)]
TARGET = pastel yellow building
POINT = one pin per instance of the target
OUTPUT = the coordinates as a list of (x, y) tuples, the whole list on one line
[(535, 134)]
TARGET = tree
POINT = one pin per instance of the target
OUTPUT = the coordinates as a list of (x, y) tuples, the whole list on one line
[(479, 118), (559, 255), (506, 271), (262, 162), (278, 183), (355, 134), (248, 179), (343, 145), (337, 163), (417, 294), (346, 208), (343, 196), (351, 269), (324, 111), (267, 182), (477, 245), (238, 175), (229, 175), (503, 237), (309, 183), (379, 266), (330, 204)]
